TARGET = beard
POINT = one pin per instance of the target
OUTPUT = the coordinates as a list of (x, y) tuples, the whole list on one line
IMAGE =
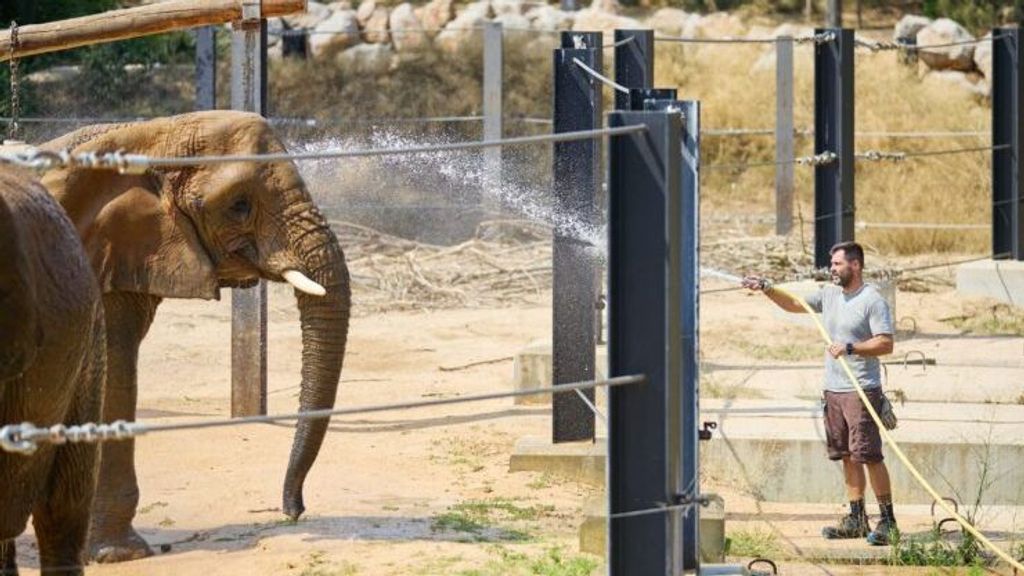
[(842, 280)]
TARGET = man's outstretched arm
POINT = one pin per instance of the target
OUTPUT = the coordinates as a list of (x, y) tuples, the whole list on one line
[(759, 284)]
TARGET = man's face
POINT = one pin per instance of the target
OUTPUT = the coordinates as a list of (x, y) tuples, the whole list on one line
[(842, 270)]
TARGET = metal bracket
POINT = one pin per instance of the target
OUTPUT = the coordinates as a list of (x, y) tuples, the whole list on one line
[(252, 10), (705, 432)]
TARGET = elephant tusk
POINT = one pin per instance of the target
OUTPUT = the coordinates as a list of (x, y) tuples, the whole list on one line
[(301, 282)]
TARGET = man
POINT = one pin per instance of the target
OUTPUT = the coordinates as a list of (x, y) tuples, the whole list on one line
[(859, 323)]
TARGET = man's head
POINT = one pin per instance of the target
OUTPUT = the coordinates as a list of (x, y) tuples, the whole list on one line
[(847, 263)]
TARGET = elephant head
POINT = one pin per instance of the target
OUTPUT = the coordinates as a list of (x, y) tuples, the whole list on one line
[(20, 330), (186, 233)]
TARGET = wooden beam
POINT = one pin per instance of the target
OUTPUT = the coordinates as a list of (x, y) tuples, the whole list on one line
[(132, 23)]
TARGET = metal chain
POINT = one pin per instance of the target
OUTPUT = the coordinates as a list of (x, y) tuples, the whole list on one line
[(12, 128), (25, 438)]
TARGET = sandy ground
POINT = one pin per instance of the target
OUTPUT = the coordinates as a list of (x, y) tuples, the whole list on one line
[(419, 492)]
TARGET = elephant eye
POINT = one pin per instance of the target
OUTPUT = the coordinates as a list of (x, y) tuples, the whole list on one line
[(240, 208)]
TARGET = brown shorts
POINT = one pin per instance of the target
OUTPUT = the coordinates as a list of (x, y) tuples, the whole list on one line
[(849, 429)]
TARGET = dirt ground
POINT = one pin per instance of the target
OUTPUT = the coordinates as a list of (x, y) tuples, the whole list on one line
[(422, 492)]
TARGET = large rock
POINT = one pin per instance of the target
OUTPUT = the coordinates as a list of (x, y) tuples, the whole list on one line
[(969, 83), (548, 17), (315, 14), (610, 6), (669, 21), (502, 7), (715, 25), (406, 29), (909, 26), (596, 20), (513, 21), (464, 28), (375, 30), (435, 15), (944, 31), (334, 34), (365, 11), (275, 29), (983, 57), (791, 30), (367, 59)]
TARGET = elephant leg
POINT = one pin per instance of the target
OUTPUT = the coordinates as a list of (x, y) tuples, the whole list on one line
[(112, 538), (62, 519), (8, 565)]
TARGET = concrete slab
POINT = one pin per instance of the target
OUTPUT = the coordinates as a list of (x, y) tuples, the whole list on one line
[(581, 461), (999, 279), (531, 369), (775, 450), (594, 530)]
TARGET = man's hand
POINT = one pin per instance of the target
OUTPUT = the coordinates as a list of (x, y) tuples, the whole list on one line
[(757, 283), (837, 350)]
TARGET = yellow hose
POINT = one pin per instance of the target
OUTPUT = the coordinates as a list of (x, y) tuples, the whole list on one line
[(892, 443)]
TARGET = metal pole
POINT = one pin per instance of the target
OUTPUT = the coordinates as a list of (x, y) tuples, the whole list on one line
[(577, 167), (833, 132), (206, 68), (834, 18), (249, 305), (646, 276), (634, 63), (784, 148), (1007, 128), (493, 83)]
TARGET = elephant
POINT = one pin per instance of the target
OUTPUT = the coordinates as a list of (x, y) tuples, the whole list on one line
[(52, 363), (187, 233)]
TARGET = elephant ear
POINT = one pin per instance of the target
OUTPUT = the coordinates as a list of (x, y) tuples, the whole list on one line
[(135, 236)]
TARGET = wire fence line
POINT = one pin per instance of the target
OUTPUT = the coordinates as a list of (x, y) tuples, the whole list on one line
[(884, 45), (25, 438), (862, 225), (821, 38), (816, 160), (601, 78), (136, 163)]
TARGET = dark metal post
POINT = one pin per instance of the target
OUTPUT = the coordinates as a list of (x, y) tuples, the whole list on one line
[(1007, 129), (646, 277), (834, 18), (249, 305), (634, 63), (295, 43), (576, 177), (206, 68), (833, 132)]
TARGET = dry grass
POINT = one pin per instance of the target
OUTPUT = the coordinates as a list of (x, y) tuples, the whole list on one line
[(736, 87)]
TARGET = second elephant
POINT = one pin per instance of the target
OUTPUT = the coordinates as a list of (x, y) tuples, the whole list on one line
[(187, 233)]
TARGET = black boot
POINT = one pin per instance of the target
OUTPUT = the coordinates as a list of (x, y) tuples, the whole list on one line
[(853, 525), (886, 530)]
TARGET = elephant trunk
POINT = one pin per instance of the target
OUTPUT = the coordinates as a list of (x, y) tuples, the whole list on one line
[(324, 332)]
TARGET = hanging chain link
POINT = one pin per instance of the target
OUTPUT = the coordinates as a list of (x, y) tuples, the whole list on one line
[(12, 128)]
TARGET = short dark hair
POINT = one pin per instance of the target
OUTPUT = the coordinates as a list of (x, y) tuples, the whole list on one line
[(851, 250)]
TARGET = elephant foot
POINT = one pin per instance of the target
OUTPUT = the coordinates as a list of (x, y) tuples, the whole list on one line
[(108, 549)]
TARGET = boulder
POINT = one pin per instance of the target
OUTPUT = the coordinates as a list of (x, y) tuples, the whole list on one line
[(715, 25), (909, 26), (375, 30), (334, 34), (435, 15), (367, 59), (513, 21), (315, 14), (596, 20), (502, 7), (983, 56), (406, 29), (610, 6), (548, 17), (365, 11), (791, 30), (275, 29), (464, 28), (969, 83), (940, 32), (339, 6), (668, 21)]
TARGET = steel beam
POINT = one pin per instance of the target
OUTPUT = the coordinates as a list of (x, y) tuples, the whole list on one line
[(577, 173), (1007, 129), (494, 43), (206, 68), (646, 276), (784, 136), (249, 305), (833, 132), (634, 63)]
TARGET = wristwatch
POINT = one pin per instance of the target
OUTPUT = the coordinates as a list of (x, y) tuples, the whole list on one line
[(849, 348)]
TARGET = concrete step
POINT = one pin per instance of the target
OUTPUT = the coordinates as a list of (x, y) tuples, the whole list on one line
[(775, 450), (531, 369)]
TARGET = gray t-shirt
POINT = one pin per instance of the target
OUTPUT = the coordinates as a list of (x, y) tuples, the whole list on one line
[(853, 318)]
